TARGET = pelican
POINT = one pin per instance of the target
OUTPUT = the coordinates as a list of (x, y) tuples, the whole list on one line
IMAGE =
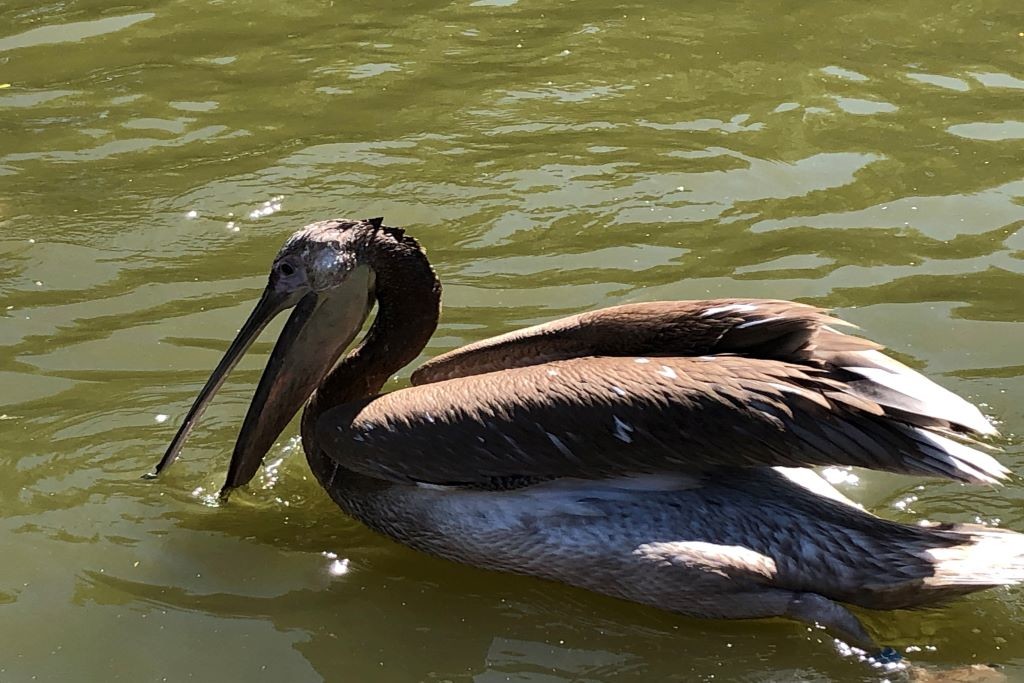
[(656, 452)]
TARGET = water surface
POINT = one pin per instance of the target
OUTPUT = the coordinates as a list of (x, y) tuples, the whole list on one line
[(552, 157)]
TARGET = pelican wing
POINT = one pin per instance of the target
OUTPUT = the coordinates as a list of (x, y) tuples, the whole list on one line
[(600, 416), (764, 328), (755, 328)]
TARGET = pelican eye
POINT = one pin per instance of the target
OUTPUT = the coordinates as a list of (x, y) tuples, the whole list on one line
[(286, 269)]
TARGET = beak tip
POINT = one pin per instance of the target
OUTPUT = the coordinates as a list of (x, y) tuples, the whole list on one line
[(149, 476)]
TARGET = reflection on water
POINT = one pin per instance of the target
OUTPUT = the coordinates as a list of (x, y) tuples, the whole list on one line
[(552, 158)]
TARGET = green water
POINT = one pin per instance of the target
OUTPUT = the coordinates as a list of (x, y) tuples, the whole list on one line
[(552, 157)]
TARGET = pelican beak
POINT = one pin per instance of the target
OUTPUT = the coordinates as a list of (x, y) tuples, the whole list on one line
[(318, 331)]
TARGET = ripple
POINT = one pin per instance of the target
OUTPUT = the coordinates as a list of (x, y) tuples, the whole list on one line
[(947, 82), (1007, 130), (862, 107), (845, 74), (998, 80), (72, 32), (370, 70)]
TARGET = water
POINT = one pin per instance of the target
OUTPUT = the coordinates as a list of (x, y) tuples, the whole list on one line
[(552, 157)]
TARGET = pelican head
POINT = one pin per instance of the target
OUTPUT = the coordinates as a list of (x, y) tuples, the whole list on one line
[(322, 272)]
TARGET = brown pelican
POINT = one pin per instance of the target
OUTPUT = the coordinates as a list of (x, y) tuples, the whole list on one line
[(655, 452)]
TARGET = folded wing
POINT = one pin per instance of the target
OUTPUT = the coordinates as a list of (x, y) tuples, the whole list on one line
[(661, 386)]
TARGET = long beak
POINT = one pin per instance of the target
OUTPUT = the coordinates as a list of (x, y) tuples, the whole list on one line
[(316, 334), (270, 304)]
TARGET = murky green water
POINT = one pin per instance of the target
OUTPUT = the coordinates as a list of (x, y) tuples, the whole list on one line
[(553, 157)]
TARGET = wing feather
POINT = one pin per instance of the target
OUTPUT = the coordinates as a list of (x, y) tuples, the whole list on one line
[(608, 416), (764, 328), (670, 385), (796, 333)]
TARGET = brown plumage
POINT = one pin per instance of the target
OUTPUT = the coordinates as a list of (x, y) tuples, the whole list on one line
[(652, 451)]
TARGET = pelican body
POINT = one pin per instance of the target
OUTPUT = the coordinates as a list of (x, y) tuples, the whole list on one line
[(656, 452)]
